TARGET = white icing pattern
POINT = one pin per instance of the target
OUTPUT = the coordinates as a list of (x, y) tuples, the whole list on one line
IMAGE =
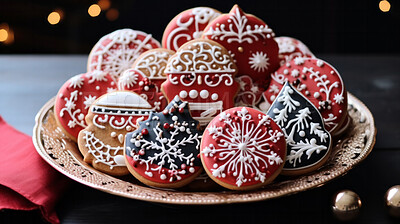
[(154, 62), (259, 61), (239, 31), (70, 104), (244, 148)]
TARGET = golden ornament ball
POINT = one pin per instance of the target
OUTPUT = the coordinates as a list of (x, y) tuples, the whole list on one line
[(392, 198), (346, 205)]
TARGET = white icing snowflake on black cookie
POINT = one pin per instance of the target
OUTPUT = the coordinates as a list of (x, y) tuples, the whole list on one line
[(307, 140), (165, 148)]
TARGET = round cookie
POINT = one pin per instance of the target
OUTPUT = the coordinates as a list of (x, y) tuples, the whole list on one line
[(250, 94), (319, 82), (109, 119), (249, 40), (116, 51), (308, 142), (186, 26), (202, 72), (243, 149), (290, 48), (75, 97), (163, 151), (136, 81)]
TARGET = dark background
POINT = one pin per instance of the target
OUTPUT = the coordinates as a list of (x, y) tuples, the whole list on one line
[(328, 26)]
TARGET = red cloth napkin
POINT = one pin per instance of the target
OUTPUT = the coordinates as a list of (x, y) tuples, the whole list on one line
[(27, 182)]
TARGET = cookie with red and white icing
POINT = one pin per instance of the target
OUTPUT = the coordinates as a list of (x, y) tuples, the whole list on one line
[(136, 81), (290, 48), (109, 119), (117, 51), (163, 151), (308, 142), (242, 149), (75, 97), (202, 72), (249, 40), (319, 82), (250, 93), (187, 25)]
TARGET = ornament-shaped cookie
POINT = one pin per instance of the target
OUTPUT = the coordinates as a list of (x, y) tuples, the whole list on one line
[(249, 40), (320, 83), (109, 119), (75, 97), (187, 25), (136, 81), (202, 72), (308, 143), (242, 149), (117, 51), (163, 151), (290, 48), (250, 93)]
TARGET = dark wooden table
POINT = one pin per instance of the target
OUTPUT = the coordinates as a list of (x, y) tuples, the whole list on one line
[(27, 82)]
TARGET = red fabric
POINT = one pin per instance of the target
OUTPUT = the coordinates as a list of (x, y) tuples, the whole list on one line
[(27, 182)]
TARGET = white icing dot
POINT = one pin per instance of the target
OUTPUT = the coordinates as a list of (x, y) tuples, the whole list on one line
[(163, 176), (129, 128), (113, 134), (98, 87), (193, 93), (214, 96), (302, 133), (223, 175), (272, 97), (119, 160), (174, 118), (316, 95), (183, 94), (137, 143), (320, 63), (215, 165), (112, 83), (141, 83), (307, 92), (332, 72), (204, 94), (182, 129), (340, 111), (146, 88), (191, 169), (81, 116), (80, 93)]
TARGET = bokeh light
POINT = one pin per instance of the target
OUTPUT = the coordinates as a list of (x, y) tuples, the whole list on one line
[(54, 18), (384, 6), (94, 10), (3, 35), (104, 4), (112, 14)]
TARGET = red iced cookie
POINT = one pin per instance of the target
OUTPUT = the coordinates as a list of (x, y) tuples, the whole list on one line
[(202, 72), (187, 25), (136, 81), (75, 97), (249, 40), (319, 82), (116, 52), (290, 48), (242, 149), (250, 93)]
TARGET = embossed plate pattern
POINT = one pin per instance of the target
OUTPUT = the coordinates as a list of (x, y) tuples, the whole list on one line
[(61, 153)]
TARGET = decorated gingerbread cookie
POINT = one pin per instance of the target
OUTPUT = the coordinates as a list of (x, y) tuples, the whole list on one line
[(138, 82), (249, 40), (242, 149), (290, 48), (116, 52), (202, 72), (319, 82), (308, 143), (163, 152), (75, 97), (186, 26), (109, 119), (250, 93)]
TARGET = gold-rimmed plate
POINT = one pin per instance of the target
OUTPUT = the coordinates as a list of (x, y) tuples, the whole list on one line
[(62, 153)]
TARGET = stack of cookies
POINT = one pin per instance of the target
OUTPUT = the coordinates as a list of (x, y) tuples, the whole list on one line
[(222, 97)]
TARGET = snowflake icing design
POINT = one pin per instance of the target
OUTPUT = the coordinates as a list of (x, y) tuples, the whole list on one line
[(76, 81), (76, 115), (338, 98), (97, 75), (259, 61), (303, 127), (128, 79), (244, 149), (89, 100)]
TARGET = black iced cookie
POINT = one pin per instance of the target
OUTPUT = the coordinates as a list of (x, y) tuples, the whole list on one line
[(163, 151), (308, 143)]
